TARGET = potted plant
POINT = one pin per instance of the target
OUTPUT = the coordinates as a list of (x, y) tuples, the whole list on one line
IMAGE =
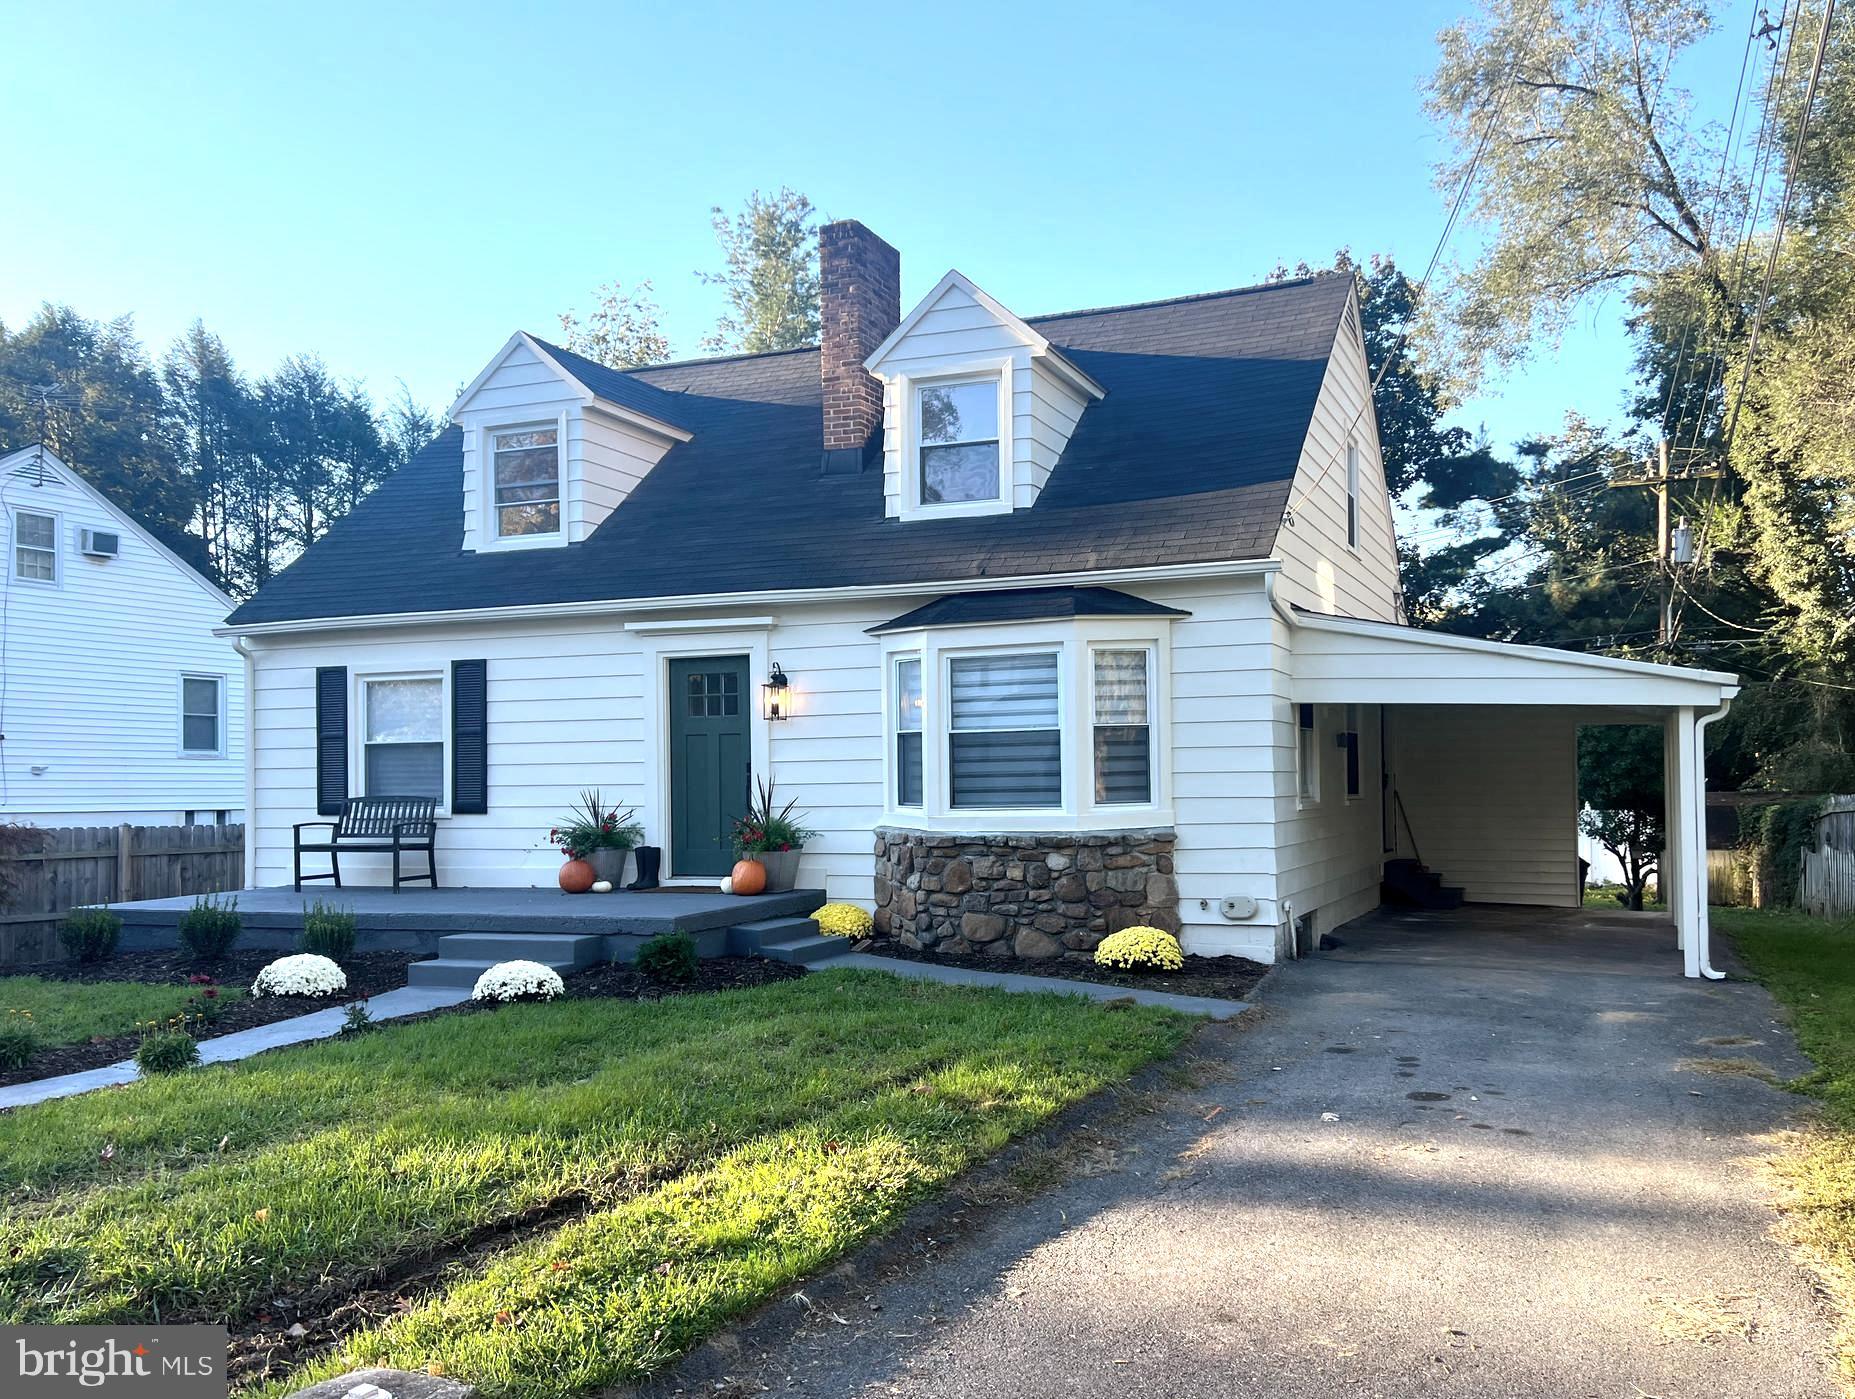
[(599, 835), (773, 838)]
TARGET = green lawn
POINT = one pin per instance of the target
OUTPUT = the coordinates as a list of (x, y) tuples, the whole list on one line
[(1809, 965), (715, 1147), (70, 1012)]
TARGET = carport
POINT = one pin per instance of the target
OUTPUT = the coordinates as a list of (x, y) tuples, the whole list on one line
[(1479, 755)]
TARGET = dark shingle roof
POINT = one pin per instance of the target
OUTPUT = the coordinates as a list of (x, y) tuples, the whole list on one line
[(1189, 458), (1025, 605)]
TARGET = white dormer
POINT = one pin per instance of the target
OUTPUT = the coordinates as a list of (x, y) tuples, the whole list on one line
[(977, 407), (546, 455)]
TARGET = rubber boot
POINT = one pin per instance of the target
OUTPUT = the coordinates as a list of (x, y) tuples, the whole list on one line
[(650, 861)]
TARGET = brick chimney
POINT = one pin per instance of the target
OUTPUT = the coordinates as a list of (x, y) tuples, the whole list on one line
[(860, 296)]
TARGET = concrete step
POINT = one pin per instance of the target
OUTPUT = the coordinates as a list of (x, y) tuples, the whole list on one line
[(458, 971), (805, 950), (573, 949), (784, 940)]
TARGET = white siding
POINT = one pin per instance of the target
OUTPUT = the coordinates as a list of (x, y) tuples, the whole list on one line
[(1320, 571), (604, 459), (1491, 794), (91, 672), (568, 708), (957, 330)]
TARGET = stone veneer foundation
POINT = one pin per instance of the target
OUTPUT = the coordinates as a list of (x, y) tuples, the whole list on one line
[(1022, 895)]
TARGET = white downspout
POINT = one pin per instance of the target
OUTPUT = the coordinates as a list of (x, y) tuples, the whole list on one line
[(250, 879), (1702, 928)]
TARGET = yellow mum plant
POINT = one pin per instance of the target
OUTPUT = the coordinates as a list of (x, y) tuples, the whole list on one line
[(844, 921), (1140, 949)]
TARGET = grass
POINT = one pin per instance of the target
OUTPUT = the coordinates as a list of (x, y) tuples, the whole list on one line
[(711, 1148), (1809, 965), (73, 1012), (1611, 896)]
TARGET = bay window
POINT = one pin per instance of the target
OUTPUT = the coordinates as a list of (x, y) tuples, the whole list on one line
[(1004, 731), (402, 736), (907, 688), (1122, 732)]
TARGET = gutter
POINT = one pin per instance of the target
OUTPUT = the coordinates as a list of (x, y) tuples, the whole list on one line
[(1703, 930), (555, 611), (250, 861)]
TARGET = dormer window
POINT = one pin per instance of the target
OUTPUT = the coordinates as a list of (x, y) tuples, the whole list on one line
[(958, 441), (527, 474)]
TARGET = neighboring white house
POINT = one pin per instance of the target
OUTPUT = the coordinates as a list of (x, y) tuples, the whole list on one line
[(1087, 619), (117, 701)]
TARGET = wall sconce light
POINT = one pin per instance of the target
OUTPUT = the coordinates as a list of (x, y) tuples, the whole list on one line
[(776, 695)]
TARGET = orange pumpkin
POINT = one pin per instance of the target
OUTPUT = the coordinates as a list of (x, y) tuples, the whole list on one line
[(576, 877), (749, 877)]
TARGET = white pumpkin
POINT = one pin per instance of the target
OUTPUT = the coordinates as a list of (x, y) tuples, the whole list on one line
[(603, 886), (727, 885)]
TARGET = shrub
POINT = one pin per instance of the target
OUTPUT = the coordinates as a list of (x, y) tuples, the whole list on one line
[(90, 934), (844, 921), (304, 974), (210, 927), (328, 931), (669, 957), (19, 1041), (518, 981), (204, 1005), (1140, 949), (166, 1052)]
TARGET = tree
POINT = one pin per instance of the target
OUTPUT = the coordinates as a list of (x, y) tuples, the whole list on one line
[(106, 421), (1588, 176), (769, 274), (623, 331), (407, 427), (1620, 792), (211, 422)]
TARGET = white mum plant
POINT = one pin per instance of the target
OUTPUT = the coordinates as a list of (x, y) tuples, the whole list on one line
[(305, 974), (518, 981)]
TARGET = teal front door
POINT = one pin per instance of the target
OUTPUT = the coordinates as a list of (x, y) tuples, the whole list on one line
[(710, 761)]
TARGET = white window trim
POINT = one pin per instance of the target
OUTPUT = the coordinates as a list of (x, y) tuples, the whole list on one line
[(1002, 370), (1075, 642), (1152, 724), (357, 707), (1310, 766), (488, 533), (1351, 504), (12, 562), (180, 707)]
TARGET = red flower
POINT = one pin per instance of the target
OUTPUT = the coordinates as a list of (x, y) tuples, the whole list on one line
[(211, 992), (786, 846)]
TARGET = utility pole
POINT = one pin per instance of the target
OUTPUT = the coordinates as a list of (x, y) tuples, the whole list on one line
[(1674, 548)]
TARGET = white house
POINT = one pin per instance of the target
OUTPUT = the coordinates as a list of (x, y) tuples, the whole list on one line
[(117, 701), (1087, 619)]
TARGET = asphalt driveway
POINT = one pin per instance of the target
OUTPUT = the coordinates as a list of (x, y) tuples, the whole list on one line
[(1475, 1154)]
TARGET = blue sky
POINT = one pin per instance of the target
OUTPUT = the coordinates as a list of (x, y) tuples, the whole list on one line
[(397, 188)]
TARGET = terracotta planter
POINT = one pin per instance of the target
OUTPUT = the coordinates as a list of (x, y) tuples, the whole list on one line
[(782, 869), (749, 877), (576, 877), (609, 865)]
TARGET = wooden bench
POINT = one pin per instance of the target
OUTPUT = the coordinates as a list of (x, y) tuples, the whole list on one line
[(375, 825)]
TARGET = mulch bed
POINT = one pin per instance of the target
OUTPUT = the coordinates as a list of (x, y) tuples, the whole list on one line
[(369, 973), (1227, 978)]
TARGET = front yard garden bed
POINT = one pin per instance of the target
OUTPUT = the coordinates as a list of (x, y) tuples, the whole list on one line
[(541, 1199), (1227, 978), (88, 1014)]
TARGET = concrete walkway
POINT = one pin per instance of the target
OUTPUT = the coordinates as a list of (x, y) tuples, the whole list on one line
[(1473, 1156), (1210, 1006), (242, 1044)]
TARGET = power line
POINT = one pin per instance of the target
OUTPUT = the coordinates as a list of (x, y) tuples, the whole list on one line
[(1455, 211), (1784, 209)]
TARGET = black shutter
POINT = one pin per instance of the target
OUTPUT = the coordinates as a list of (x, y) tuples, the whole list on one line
[(331, 739), (470, 759)]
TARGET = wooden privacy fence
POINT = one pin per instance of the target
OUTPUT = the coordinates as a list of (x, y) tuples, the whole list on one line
[(108, 864), (1826, 887), (1729, 879)]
